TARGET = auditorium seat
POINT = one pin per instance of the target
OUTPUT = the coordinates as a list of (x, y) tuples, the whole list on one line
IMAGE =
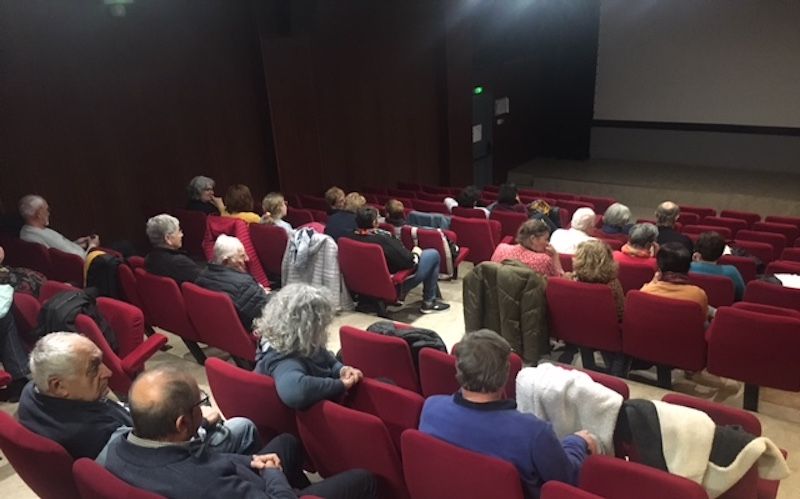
[(459, 211), (26, 313), (480, 236), (745, 265), (633, 276), (700, 211), (723, 231), (50, 288), (66, 267), (601, 204), (33, 256), (772, 294), (308, 201), (616, 478), (379, 356), (734, 224), (193, 225), (791, 254), (759, 249), (509, 221), (791, 232), (747, 216), (778, 241), (431, 206), (783, 267), (297, 217), (561, 490), (783, 220), (270, 243), (719, 289), (95, 482)]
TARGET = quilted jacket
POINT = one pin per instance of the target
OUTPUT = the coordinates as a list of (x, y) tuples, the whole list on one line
[(248, 297)]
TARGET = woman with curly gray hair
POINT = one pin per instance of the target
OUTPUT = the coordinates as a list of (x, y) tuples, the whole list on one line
[(294, 332)]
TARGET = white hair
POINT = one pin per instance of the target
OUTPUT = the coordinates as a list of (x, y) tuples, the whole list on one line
[(55, 356), (226, 247), (29, 205), (161, 226), (197, 185), (583, 219), (295, 320), (617, 215)]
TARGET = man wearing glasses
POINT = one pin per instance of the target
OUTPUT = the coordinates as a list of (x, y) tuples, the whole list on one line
[(159, 455)]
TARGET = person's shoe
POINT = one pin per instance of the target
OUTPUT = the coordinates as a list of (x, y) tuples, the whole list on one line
[(429, 307)]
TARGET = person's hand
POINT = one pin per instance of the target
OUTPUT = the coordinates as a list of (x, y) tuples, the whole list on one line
[(211, 415), (591, 443), (263, 461), (656, 277), (82, 241), (352, 371), (550, 251), (217, 201), (416, 250)]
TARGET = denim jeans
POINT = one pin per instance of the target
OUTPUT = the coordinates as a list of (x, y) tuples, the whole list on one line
[(427, 273)]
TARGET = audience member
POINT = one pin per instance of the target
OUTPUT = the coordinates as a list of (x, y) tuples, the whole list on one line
[(594, 262), (616, 222), (67, 401), (469, 197), (567, 240), (641, 246), (13, 354), (274, 206), (533, 249), (426, 262), (335, 199), (202, 198), (343, 221), (709, 249), (294, 333), (672, 277), (667, 214), (480, 419), (166, 258), (540, 209), (239, 204), (21, 279), (158, 454), (395, 214), (35, 211), (508, 200), (227, 273)]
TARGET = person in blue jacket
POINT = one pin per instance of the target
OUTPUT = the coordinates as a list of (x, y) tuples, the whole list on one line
[(707, 250)]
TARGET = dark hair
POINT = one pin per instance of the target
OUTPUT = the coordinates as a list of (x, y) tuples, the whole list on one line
[(482, 361), (238, 199), (469, 197), (710, 245), (365, 217), (674, 257), (533, 227), (507, 194), (156, 420)]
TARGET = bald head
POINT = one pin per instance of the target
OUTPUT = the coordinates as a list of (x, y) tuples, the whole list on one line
[(667, 213), (162, 402)]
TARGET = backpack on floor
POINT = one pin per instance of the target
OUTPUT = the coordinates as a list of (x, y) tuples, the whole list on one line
[(59, 313), (416, 337)]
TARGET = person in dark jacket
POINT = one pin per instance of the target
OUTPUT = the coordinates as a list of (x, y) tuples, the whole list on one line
[(343, 221), (294, 331), (166, 259), (399, 258), (202, 198), (667, 215), (508, 200), (228, 274), (159, 455)]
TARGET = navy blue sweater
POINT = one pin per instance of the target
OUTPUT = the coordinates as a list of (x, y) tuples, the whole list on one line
[(302, 381)]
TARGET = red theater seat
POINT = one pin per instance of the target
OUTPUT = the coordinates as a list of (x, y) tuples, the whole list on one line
[(379, 356), (561, 490), (772, 294), (745, 265), (95, 482), (734, 224), (790, 231), (193, 225), (615, 478), (270, 244), (509, 221), (747, 216), (778, 241), (719, 289), (66, 267)]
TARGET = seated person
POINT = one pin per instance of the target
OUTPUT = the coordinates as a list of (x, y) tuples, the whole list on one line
[(641, 246), (21, 279), (533, 249), (158, 454), (202, 198), (399, 258), (540, 209), (395, 214), (294, 333), (335, 199), (469, 197), (13, 354), (672, 277), (478, 418), (667, 214), (594, 263), (567, 240), (228, 274), (274, 206), (67, 401), (166, 258), (239, 204), (707, 250), (508, 200), (343, 221), (616, 222), (35, 211)]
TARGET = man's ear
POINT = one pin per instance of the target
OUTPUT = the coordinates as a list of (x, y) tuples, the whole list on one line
[(56, 387), (696, 257), (182, 424)]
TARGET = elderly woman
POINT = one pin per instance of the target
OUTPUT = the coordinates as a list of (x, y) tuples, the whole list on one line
[(594, 263), (239, 204), (202, 198), (533, 249), (274, 206), (616, 222), (343, 221), (166, 258), (567, 240), (641, 247), (294, 333)]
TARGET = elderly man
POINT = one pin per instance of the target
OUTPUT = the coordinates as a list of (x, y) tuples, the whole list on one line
[(707, 251), (35, 211), (566, 241), (672, 277), (158, 454), (166, 258), (228, 274), (478, 418), (67, 402), (641, 247), (667, 214)]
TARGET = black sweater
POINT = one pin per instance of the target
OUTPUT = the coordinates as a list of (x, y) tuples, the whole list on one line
[(397, 256), (248, 296), (174, 264)]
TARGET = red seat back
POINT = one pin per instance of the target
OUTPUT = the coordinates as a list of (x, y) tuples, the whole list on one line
[(601, 204), (509, 221), (164, 306), (596, 327), (745, 265), (313, 202), (719, 289), (772, 294), (339, 439), (460, 211), (747, 216), (41, 463), (783, 267), (664, 331), (778, 241), (365, 271), (127, 286), (734, 224), (405, 193), (790, 231), (434, 197), (242, 393), (379, 356), (480, 236), (432, 239), (95, 482), (569, 205), (723, 231), (784, 220), (398, 408), (66, 267), (239, 229), (761, 250), (126, 320), (119, 382), (700, 211), (193, 225), (767, 309), (136, 262), (633, 276), (297, 217), (270, 243), (51, 288), (430, 206), (566, 262), (561, 490), (26, 313), (437, 372), (615, 244), (435, 468), (215, 319), (620, 479), (791, 254), (33, 256)]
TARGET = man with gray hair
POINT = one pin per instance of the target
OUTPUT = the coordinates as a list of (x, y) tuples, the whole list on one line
[(667, 214), (616, 222), (159, 455), (641, 247), (67, 401), (35, 211), (479, 418), (227, 273), (166, 258), (566, 241)]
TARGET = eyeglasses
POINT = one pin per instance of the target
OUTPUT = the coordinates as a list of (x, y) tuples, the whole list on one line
[(204, 400)]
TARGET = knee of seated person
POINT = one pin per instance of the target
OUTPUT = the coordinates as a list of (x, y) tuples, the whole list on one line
[(433, 254)]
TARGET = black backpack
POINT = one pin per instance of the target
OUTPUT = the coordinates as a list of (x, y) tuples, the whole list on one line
[(102, 275), (59, 312), (416, 337)]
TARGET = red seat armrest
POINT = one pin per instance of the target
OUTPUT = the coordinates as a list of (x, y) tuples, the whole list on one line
[(399, 277), (134, 361)]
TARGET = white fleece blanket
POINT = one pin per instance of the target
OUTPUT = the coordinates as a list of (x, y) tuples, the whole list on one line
[(571, 401)]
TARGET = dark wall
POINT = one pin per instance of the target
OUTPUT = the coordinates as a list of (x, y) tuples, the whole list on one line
[(109, 118)]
